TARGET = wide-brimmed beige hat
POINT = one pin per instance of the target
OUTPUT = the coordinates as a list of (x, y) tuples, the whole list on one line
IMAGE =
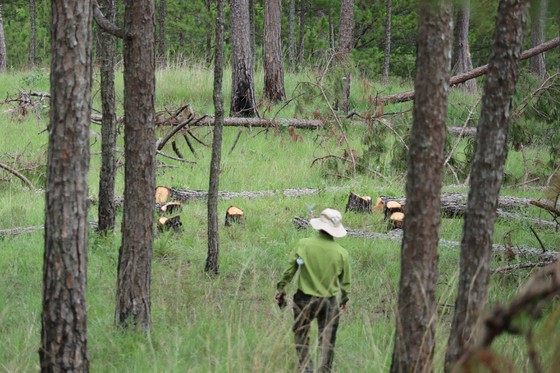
[(330, 221)]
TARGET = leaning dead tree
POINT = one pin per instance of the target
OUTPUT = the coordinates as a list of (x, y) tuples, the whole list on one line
[(475, 73)]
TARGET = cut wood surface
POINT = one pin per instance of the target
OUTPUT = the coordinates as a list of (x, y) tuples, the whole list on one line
[(396, 235), (233, 215), (358, 203)]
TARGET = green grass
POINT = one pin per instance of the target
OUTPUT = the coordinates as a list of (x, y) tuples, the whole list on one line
[(230, 323)]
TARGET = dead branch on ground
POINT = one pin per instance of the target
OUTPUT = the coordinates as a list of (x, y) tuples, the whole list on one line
[(18, 175)]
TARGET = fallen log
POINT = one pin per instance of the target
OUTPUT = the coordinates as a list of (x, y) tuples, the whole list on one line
[(475, 73), (464, 132), (396, 235), (264, 122)]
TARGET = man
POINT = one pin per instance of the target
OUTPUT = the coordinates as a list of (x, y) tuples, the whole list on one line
[(323, 286)]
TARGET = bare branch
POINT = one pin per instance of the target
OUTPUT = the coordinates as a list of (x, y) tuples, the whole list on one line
[(105, 24)]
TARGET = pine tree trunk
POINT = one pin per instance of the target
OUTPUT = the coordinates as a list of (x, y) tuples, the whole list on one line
[(345, 46), (106, 208), (32, 34), (486, 176), (161, 18), (301, 43), (212, 260), (292, 36), (64, 316), (387, 57), (209, 34), (273, 62), (538, 23), (243, 102), (416, 314), (135, 255), (461, 53), (3, 57)]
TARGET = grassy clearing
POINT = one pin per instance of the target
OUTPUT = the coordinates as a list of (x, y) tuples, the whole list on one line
[(230, 324)]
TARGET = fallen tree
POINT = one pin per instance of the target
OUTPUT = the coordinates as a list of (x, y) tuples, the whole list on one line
[(475, 73)]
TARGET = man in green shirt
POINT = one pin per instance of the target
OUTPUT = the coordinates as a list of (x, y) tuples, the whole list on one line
[(323, 287)]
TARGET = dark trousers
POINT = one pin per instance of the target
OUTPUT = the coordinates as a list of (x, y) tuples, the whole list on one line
[(326, 311)]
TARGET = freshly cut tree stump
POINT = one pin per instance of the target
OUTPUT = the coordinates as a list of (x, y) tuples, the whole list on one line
[(233, 215), (392, 207), (358, 204), (165, 224), (162, 194), (171, 207), (396, 220)]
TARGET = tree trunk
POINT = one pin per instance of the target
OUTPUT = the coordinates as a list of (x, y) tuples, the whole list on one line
[(415, 323), (64, 316), (301, 43), (273, 62), (212, 260), (292, 36), (32, 34), (461, 54), (106, 208), (161, 17), (208, 4), (135, 255), (538, 23), (252, 34), (3, 58), (486, 176), (243, 102), (387, 58), (345, 46)]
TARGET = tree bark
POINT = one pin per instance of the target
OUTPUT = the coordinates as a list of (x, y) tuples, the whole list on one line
[(345, 46), (486, 176), (106, 209), (243, 102), (301, 43), (416, 314), (461, 54), (212, 260), (64, 315), (3, 57), (538, 11), (273, 62), (292, 36), (387, 57), (32, 34), (161, 17), (135, 255)]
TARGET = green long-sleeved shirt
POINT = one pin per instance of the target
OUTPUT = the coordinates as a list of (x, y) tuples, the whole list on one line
[(324, 268)]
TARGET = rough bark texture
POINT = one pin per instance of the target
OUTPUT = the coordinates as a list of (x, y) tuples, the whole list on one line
[(486, 176), (135, 255), (106, 209), (415, 321), (64, 316), (32, 34), (273, 61), (345, 45), (243, 102), (538, 23), (161, 15), (301, 43), (387, 58), (212, 260), (3, 58), (461, 54), (292, 36)]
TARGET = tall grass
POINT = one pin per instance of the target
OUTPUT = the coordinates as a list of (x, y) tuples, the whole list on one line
[(230, 323)]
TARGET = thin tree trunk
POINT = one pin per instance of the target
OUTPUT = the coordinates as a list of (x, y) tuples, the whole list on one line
[(416, 314), (133, 302), (106, 208), (212, 262), (273, 62), (345, 46), (161, 18), (32, 34), (387, 57), (3, 57), (301, 43), (486, 176), (292, 36), (64, 316), (538, 23), (243, 102), (209, 34), (252, 35), (461, 53)]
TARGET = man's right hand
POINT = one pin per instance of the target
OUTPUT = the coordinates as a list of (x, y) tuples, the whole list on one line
[(280, 299)]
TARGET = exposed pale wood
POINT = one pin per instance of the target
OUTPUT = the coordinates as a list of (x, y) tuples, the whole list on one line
[(233, 215)]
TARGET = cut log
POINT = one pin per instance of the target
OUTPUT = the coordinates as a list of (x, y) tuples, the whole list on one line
[(165, 224), (392, 207), (396, 235), (464, 132), (233, 215), (162, 194), (357, 203), (171, 207), (396, 220)]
